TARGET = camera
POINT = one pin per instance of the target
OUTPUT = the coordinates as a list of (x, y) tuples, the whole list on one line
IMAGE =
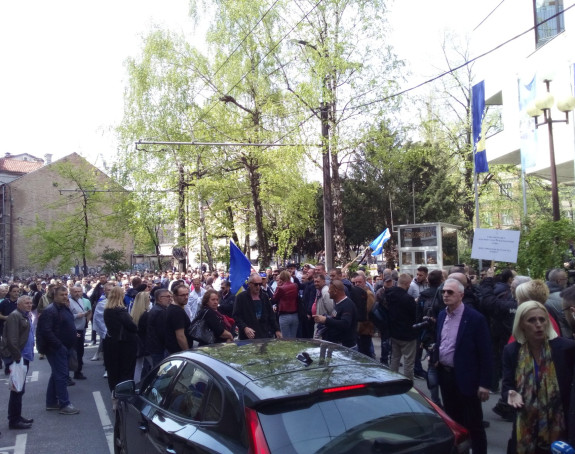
[(426, 323)]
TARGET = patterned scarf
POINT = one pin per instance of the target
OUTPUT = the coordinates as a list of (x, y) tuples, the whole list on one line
[(541, 421)]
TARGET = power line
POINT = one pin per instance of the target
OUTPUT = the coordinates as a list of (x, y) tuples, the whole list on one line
[(261, 59), (407, 90), (225, 144), (487, 17)]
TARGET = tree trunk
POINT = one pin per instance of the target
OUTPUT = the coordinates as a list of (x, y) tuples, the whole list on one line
[(263, 247), (204, 239), (182, 215)]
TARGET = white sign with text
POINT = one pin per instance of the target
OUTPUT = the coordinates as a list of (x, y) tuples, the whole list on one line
[(497, 245)]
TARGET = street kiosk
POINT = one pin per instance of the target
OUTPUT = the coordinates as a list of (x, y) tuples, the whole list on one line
[(433, 245)]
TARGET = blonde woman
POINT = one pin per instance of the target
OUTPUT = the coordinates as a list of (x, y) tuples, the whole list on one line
[(121, 342), (537, 377), (139, 315)]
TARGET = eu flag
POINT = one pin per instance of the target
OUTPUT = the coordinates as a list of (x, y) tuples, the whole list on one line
[(478, 114), (240, 268), (377, 244)]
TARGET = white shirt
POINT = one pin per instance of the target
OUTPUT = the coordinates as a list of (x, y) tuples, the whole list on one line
[(194, 301)]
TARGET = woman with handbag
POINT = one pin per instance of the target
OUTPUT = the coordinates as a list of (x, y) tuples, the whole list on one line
[(121, 341), (209, 325)]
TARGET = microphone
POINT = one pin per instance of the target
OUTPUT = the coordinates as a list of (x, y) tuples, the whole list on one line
[(560, 447)]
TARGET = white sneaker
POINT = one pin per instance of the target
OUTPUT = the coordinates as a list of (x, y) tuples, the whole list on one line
[(105, 374)]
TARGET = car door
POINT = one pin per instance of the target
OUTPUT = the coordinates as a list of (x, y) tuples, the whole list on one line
[(141, 410), (188, 419)]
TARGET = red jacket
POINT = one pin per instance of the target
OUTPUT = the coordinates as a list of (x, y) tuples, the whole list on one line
[(286, 298)]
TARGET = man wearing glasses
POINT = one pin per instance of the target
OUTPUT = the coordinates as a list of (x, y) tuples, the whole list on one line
[(464, 361), (253, 312)]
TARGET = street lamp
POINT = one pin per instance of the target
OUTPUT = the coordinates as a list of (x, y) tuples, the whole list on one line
[(542, 105)]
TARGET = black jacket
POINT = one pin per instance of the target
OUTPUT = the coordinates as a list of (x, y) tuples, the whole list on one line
[(499, 306), (402, 313), (56, 328), (342, 328), (245, 316)]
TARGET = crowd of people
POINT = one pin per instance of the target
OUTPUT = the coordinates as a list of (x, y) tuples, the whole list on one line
[(501, 333)]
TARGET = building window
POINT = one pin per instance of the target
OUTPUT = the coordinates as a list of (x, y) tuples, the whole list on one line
[(506, 218), (544, 9)]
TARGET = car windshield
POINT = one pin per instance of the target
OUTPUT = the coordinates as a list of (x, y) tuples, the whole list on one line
[(400, 423)]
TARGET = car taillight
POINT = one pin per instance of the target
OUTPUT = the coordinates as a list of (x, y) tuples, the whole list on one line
[(343, 388), (460, 433), (258, 443)]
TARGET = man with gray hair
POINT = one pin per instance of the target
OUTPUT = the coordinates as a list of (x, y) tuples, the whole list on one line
[(463, 358), (18, 345)]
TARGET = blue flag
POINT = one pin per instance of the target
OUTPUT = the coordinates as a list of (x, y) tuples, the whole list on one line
[(377, 244), (240, 268), (478, 115)]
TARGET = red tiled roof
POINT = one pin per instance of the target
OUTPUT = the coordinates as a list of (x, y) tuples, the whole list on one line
[(19, 166)]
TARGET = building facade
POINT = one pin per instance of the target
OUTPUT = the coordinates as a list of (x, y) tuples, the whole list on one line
[(539, 37), (46, 196)]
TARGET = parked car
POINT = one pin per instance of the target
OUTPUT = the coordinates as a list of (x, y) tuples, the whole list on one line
[(279, 396)]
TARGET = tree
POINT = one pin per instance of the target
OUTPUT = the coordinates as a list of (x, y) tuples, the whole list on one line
[(114, 261), (340, 70), (85, 217)]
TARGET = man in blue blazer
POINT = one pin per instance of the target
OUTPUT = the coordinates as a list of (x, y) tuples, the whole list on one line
[(463, 358)]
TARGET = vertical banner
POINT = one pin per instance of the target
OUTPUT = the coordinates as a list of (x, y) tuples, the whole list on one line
[(527, 130), (478, 117)]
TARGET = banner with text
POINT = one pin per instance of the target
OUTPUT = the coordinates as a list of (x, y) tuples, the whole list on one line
[(497, 245)]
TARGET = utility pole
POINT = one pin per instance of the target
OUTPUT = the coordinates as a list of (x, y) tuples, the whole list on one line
[(327, 199)]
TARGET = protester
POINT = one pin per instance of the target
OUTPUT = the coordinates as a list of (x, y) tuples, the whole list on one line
[(139, 312), (55, 336), (18, 345), (215, 322), (121, 341), (286, 298), (537, 378)]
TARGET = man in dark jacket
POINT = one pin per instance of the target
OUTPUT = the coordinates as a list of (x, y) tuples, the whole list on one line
[(342, 327), (253, 312), (402, 311), (56, 334), (227, 299)]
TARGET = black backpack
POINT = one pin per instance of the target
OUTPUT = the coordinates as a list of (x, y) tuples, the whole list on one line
[(359, 297)]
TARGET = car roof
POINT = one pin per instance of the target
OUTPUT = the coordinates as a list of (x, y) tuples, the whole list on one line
[(286, 367)]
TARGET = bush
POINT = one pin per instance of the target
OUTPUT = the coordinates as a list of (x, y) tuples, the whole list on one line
[(544, 246)]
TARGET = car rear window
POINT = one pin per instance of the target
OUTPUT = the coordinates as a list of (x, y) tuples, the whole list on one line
[(359, 424)]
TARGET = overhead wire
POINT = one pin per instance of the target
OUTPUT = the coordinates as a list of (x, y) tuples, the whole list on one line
[(452, 70), (257, 64)]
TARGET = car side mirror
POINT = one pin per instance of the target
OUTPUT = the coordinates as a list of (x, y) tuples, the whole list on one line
[(125, 389)]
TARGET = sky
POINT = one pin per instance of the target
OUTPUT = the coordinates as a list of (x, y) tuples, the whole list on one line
[(62, 76)]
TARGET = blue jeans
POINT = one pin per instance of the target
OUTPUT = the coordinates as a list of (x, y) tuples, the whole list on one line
[(57, 392), (289, 324)]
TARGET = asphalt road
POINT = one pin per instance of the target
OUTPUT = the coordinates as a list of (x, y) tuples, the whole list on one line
[(91, 431)]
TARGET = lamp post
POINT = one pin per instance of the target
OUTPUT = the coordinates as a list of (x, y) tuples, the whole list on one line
[(543, 105)]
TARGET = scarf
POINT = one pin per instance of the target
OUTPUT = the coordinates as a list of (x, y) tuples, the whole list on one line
[(541, 421)]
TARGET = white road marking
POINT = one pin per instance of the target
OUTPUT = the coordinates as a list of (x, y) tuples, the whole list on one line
[(19, 446), (105, 420), (34, 376)]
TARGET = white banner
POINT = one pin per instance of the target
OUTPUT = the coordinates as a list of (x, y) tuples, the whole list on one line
[(497, 245)]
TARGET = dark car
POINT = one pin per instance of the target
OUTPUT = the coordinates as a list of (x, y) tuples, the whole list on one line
[(279, 396)]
